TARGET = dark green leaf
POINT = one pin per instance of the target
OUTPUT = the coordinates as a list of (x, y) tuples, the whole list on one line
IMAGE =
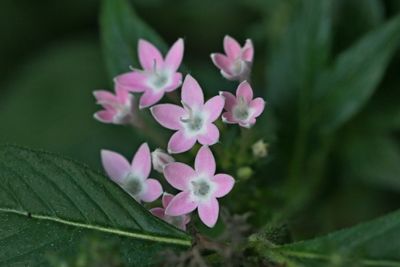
[(121, 29), (376, 243), (49, 204), (343, 90)]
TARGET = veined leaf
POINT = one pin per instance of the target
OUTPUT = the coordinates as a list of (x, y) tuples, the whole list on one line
[(375, 243), (344, 89), (48, 204), (121, 29)]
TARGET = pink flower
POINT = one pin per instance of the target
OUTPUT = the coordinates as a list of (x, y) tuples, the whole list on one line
[(118, 109), (200, 187), (236, 64), (160, 159), (242, 109), (133, 177), (178, 221), (193, 122), (158, 75)]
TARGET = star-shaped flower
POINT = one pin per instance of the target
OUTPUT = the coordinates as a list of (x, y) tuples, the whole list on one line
[(158, 76), (236, 64), (133, 178), (178, 221), (193, 121), (242, 108), (200, 187), (118, 109)]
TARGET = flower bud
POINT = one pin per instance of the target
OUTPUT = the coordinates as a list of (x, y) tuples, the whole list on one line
[(260, 149), (160, 159)]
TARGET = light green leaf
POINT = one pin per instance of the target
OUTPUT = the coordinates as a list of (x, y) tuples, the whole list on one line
[(375, 243), (121, 29), (344, 89), (49, 204)]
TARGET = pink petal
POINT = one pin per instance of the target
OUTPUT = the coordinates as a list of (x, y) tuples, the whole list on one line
[(149, 98), (192, 94), (210, 137), (224, 184), (153, 190), (116, 166), (141, 163), (181, 204), (174, 57), (103, 96), (175, 83), (168, 115), (232, 47), (227, 117), (230, 100), (205, 162), (214, 107), (166, 199), (122, 94), (248, 51), (149, 56), (257, 105), (222, 62), (179, 142), (106, 116), (158, 212), (178, 175), (133, 81), (208, 212), (244, 90)]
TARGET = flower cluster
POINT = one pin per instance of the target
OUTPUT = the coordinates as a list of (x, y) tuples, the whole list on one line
[(193, 122)]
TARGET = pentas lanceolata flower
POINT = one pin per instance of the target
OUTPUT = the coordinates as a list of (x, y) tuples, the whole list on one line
[(242, 109), (133, 178), (236, 64), (193, 121), (118, 109), (178, 221), (200, 187), (158, 76)]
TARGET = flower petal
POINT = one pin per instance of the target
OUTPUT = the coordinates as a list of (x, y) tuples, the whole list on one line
[(181, 204), (149, 56), (257, 105), (224, 184), (153, 190), (168, 115), (149, 98), (248, 51), (210, 137), (166, 198), (141, 162), (158, 212), (175, 83), (244, 90), (133, 81), (227, 117), (103, 96), (115, 165), (232, 47), (192, 94), (208, 212), (179, 142), (214, 107), (174, 56), (178, 175), (105, 116), (205, 161), (222, 62), (230, 100)]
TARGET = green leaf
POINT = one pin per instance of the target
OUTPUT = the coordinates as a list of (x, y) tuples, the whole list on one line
[(121, 29), (49, 204), (375, 243), (345, 88)]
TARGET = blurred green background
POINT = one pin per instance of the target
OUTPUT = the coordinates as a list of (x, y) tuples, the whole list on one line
[(51, 61)]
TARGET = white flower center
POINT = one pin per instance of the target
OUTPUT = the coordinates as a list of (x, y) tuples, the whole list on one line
[(201, 188), (241, 111), (238, 66), (194, 121), (133, 184), (159, 78)]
